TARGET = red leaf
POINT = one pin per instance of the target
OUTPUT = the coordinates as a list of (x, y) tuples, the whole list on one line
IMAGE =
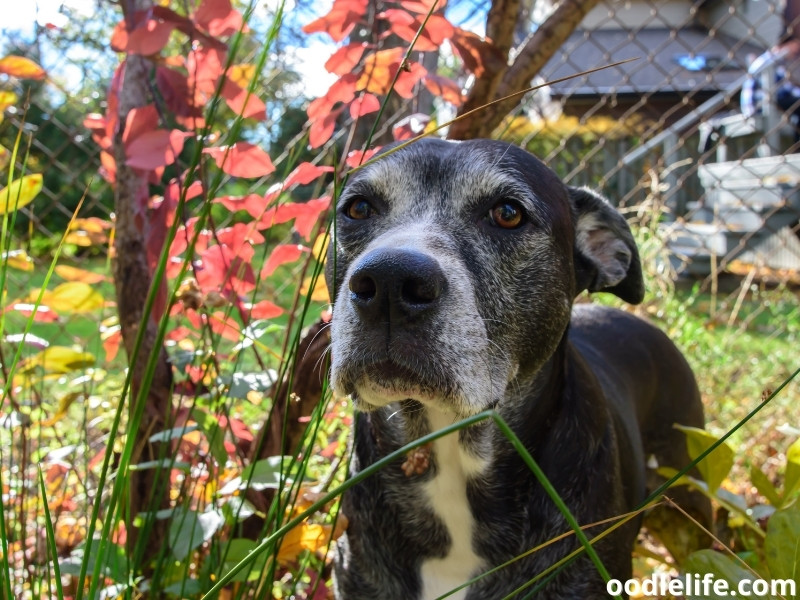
[(264, 310), (140, 121), (111, 345), (304, 174), (218, 17), (183, 103), (146, 39), (221, 269), (410, 126), (254, 204), (444, 87), (364, 105), (240, 431), (154, 149), (345, 59), (408, 79), (422, 6), (225, 326), (179, 333), (342, 90), (243, 159), (308, 214), (477, 54), (240, 239), (43, 314), (282, 254), (341, 19), (108, 167), (356, 158), (305, 215), (322, 129), (404, 25), (205, 66), (248, 106)]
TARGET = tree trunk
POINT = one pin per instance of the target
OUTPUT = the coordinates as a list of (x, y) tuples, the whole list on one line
[(132, 280), (536, 52)]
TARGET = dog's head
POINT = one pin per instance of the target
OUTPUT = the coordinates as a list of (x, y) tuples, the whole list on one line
[(454, 268)]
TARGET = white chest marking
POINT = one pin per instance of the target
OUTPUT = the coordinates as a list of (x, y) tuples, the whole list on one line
[(447, 496)]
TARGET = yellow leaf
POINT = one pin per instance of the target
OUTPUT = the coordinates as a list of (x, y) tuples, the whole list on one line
[(242, 74), (73, 296), (63, 406), (305, 536), (22, 68), (57, 359), (18, 259), (320, 292), (7, 99), (78, 238), (75, 274), (19, 193), (320, 249)]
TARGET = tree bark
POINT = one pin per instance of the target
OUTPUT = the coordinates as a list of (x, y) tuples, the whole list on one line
[(530, 59), (132, 279)]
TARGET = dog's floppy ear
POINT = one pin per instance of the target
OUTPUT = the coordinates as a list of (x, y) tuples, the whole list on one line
[(606, 258)]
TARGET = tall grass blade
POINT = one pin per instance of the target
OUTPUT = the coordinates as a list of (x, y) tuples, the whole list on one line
[(51, 537)]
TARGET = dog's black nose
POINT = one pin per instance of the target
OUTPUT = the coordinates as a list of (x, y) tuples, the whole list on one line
[(396, 283)]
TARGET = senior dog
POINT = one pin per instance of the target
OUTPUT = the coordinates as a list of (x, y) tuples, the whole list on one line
[(454, 267)]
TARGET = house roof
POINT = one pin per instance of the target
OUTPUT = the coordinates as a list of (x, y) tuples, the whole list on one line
[(669, 61)]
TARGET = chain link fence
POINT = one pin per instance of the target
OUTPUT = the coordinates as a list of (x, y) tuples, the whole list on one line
[(716, 190)]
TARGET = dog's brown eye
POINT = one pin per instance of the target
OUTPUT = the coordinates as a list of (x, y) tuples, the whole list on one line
[(359, 209), (507, 215)]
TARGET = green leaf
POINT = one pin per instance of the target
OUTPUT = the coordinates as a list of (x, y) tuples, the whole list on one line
[(792, 479), (722, 567), (236, 551), (175, 433), (114, 566), (241, 384), (185, 588), (266, 473), (715, 467), (189, 529), (782, 546), (166, 463), (764, 486)]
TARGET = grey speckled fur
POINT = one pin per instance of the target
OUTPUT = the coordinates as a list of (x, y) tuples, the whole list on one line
[(439, 314)]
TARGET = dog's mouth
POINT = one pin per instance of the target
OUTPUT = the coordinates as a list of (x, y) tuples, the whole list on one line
[(386, 381)]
